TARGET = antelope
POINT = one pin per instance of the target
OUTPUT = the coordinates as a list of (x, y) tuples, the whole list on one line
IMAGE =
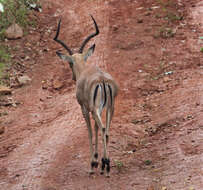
[(95, 90)]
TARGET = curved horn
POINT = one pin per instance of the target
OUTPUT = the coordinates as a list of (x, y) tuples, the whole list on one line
[(90, 36), (59, 41)]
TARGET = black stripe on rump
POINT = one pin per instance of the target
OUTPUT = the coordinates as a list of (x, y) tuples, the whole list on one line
[(95, 92), (110, 90), (104, 94)]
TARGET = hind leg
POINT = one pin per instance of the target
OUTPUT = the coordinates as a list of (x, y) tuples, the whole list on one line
[(105, 159), (109, 115), (87, 119), (96, 146)]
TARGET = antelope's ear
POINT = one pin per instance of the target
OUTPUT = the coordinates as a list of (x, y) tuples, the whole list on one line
[(89, 52), (65, 57)]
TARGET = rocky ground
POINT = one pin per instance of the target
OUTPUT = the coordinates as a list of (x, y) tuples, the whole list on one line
[(152, 48)]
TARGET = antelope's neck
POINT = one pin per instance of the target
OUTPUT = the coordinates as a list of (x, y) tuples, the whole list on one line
[(80, 68)]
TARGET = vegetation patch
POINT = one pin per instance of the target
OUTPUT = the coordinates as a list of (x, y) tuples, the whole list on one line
[(4, 61), (12, 11), (147, 162), (15, 11), (119, 165), (169, 15)]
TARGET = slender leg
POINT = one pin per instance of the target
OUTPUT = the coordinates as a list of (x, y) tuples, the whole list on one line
[(106, 135), (109, 109), (109, 115), (96, 145), (87, 119), (98, 120)]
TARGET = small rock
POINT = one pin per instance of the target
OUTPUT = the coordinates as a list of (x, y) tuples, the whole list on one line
[(17, 175), (155, 7), (44, 85), (23, 80), (4, 90), (4, 102), (166, 79), (168, 73), (27, 58), (57, 83), (140, 8), (14, 32), (2, 130), (129, 152), (35, 7), (8, 102), (140, 20), (150, 188), (135, 121), (147, 13), (115, 27), (197, 103)]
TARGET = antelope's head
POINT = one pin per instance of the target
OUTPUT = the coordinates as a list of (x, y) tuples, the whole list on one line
[(78, 59)]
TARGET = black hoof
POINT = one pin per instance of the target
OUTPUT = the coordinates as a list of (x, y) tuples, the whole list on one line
[(94, 164), (105, 164)]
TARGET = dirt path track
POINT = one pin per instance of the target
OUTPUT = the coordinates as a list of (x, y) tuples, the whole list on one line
[(156, 134)]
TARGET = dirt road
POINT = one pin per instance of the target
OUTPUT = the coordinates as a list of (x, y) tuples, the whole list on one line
[(152, 48)]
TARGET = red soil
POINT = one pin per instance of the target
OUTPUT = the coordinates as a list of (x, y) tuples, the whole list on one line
[(156, 137)]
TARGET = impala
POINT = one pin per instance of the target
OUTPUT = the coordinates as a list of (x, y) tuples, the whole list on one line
[(95, 90)]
